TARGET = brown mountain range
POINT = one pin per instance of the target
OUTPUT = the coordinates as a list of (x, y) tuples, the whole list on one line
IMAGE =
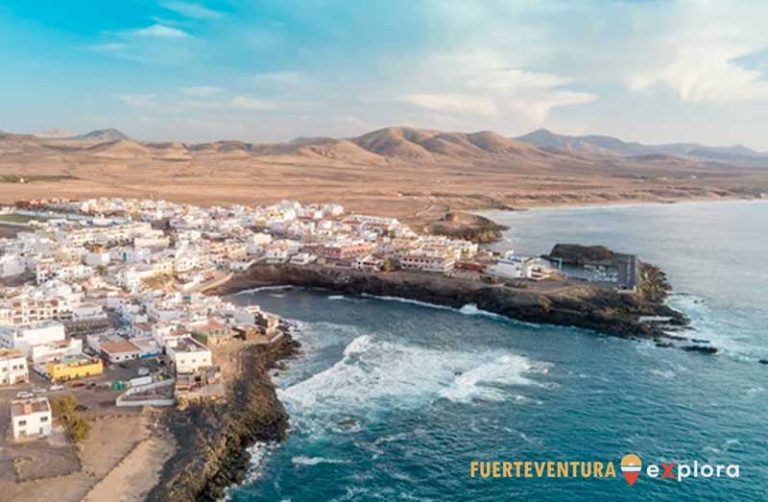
[(407, 172)]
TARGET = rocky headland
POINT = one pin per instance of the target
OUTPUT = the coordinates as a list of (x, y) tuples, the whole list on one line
[(565, 303), (213, 436)]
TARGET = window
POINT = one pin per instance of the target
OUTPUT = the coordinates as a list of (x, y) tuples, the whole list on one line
[(22, 423), (43, 419)]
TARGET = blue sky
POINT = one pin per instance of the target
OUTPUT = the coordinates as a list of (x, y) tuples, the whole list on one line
[(277, 69)]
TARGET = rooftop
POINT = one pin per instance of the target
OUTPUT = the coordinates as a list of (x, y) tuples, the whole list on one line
[(21, 407), (8, 353), (189, 344), (115, 346)]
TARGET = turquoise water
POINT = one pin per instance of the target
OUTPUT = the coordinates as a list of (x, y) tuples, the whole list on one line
[(392, 400)]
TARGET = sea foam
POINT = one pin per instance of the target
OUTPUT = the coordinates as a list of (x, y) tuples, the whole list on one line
[(375, 375)]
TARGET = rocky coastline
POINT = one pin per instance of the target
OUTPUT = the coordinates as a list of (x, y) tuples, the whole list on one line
[(467, 226), (213, 437), (576, 304)]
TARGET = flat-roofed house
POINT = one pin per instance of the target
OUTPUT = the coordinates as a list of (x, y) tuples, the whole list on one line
[(117, 351), (13, 367), (31, 418), (189, 355)]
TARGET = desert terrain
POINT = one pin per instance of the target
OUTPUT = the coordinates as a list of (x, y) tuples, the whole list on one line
[(414, 174)]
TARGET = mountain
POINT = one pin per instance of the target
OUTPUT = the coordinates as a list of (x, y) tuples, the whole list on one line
[(389, 145), (609, 145), (121, 149), (407, 143), (53, 134), (102, 135)]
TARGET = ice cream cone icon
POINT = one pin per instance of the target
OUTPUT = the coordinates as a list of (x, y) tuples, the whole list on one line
[(631, 465)]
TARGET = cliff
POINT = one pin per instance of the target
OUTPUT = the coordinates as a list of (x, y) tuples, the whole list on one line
[(213, 437), (563, 303)]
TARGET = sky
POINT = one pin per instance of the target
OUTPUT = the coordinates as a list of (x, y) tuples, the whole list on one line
[(273, 70)]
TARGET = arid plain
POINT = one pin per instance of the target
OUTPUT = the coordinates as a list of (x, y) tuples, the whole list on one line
[(417, 175)]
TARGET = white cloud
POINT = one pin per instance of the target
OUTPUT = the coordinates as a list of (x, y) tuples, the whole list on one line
[(158, 30), (245, 103), (201, 91), (280, 78), (453, 103), (137, 100), (483, 83), (108, 47), (698, 58), (192, 10)]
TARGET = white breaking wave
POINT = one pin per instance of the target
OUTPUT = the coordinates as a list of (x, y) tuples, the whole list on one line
[(468, 309), (479, 381), (724, 333), (335, 297), (265, 288), (378, 375), (303, 460)]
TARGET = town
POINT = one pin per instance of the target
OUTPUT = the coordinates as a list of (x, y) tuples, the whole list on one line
[(104, 300)]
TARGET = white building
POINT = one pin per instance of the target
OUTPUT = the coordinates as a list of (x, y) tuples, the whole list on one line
[(88, 312), (427, 262), (25, 337), (11, 265), (510, 267), (13, 367), (189, 355), (96, 259), (42, 353), (119, 350), (31, 418)]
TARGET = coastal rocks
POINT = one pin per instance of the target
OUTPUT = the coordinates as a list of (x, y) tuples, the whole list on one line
[(703, 349), (578, 255), (213, 437), (348, 423), (467, 226), (581, 305)]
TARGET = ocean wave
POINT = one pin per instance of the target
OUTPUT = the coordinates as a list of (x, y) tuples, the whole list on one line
[(336, 297), (480, 382), (376, 375), (258, 452), (468, 309), (726, 332), (665, 374), (302, 460), (265, 288)]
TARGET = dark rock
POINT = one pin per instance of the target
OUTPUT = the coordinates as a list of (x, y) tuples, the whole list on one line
[(576, 254), (701, 348), (348, 423), (471, 227), (213, 437), (581, 305)]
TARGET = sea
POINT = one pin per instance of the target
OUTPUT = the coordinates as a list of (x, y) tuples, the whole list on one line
[(393, 399)]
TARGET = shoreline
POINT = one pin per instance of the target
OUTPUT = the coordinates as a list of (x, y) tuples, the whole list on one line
[(225, 429), (577, 305), (253, 413), (620, 204)]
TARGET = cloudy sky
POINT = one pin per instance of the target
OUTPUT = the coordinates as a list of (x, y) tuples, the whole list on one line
[(650, 71)]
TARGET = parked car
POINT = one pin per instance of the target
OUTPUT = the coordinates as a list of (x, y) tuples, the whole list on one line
[(56, 387), (38, 390), (24, 394), (143, 371)]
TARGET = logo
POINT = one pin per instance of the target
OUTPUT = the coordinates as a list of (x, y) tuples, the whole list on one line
[(631, 465)]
